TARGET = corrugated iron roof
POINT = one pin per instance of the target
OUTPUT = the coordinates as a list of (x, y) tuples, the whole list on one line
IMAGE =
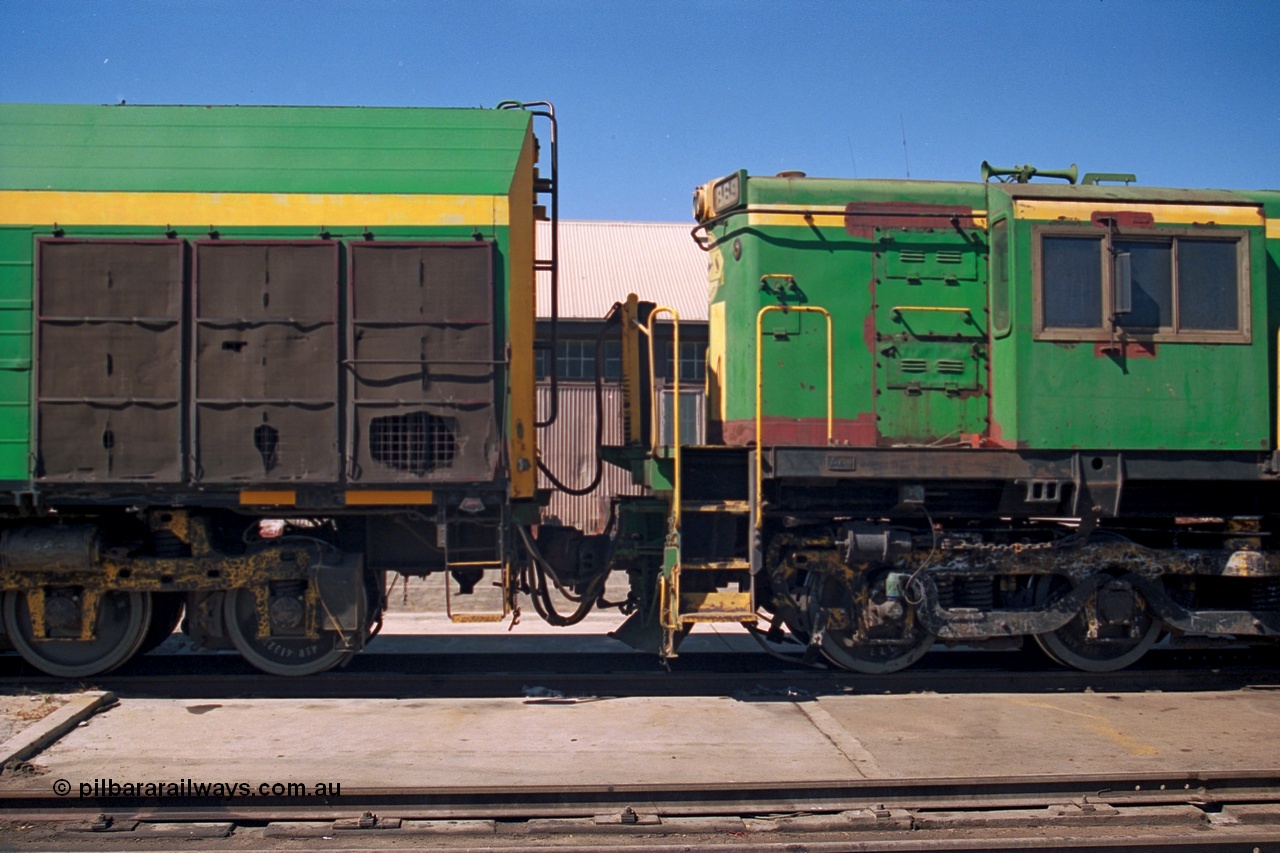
[(601, 262)]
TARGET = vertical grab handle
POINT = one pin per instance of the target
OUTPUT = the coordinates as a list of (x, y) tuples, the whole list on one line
[(760, 389)]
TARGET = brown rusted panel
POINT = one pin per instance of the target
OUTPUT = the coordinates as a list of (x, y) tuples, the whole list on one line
[(94, 442), (862, 218), (1123, 218), (422, 360), (424, 370), (425, 282), (268, 280), (111, 278), (256, 362), (803, 432), (109, 360), (1125, 349), (108, 353), (265, 354), (267, 443), (422, 443)]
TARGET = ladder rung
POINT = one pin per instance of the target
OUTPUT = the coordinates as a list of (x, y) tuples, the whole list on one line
[(743, 616), (461, 618), (736, 507), (716, 606), (714, 565)]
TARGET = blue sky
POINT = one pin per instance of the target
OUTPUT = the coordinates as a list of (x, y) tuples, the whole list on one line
[(657, 97)]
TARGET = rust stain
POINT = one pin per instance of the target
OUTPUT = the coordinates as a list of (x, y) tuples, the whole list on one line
[(1123, 218), (803, 432), (1125, 349), (869, 332), (995, 438), (861, 218)]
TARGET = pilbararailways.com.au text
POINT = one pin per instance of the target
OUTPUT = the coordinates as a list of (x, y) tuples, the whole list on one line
[(194, 788)]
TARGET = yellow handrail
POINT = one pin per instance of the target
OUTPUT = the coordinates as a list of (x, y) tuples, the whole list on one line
[(760, 390), (654, 423)]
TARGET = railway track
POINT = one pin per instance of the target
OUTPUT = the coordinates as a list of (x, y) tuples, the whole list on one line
[(743, 675), (1225, 810)]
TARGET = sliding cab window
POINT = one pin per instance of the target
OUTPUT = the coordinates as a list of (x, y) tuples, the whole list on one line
[(1189, 286)]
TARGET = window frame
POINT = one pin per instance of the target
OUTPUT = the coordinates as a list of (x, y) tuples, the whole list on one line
[(1174, 333)]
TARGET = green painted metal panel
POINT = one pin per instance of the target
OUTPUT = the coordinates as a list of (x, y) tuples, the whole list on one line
[(259, 149), (15, 352), (922, 374), (1183, 396)]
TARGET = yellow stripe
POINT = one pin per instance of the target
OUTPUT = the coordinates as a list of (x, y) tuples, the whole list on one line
[(248, 498), (785, 214), (799, 214), (389, 498), (225, 210), (1273, 229), (1167, 214)]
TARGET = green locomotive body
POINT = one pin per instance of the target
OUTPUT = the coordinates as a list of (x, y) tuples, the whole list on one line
[(972, 413), (981, 315)]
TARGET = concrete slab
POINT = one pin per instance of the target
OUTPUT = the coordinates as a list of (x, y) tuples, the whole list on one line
[(448, 743), (956, 735)]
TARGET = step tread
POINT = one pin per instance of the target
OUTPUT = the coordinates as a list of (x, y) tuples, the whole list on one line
[(737, 507), (715, 565)]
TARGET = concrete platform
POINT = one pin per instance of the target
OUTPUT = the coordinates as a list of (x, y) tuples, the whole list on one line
[(449, 743)]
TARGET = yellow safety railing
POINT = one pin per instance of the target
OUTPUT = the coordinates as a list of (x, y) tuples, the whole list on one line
[(655, 424), (668, 591), (760, 389)]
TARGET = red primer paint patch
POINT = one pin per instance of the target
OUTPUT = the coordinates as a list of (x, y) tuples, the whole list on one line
[(1123, 218), (1124, 349)]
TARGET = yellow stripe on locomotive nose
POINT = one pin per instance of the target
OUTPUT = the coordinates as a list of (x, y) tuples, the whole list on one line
[(224, 210)]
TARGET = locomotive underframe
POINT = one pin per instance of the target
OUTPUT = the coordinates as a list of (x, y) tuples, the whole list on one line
[(895, 548), (320, 584)]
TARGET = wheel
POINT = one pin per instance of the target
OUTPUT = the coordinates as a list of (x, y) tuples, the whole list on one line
[(1125, 629), (123, 619), (279, 655), (866, 631), (166, 613)]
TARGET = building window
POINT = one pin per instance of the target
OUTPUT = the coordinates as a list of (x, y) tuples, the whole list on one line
[(542, 363), (576, 359), (693, 362), (1185, 285), (613, 359)]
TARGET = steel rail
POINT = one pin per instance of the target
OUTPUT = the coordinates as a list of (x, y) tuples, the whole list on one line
[(526, 802)]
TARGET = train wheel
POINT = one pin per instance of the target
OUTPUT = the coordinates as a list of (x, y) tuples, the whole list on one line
[(862, 630), (279, 655), (166, 613), (1113, 630), (123, 619)]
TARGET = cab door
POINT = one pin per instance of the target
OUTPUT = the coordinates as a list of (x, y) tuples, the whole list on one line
[(931, 336)]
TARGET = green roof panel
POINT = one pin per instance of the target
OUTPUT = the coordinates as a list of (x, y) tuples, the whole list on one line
[(259, 149)]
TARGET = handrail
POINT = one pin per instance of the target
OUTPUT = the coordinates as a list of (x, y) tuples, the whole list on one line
[(898, 309), (655, 431), (760, 389)]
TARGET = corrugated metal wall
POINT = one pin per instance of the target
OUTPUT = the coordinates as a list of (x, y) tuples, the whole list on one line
[(568, 448)]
